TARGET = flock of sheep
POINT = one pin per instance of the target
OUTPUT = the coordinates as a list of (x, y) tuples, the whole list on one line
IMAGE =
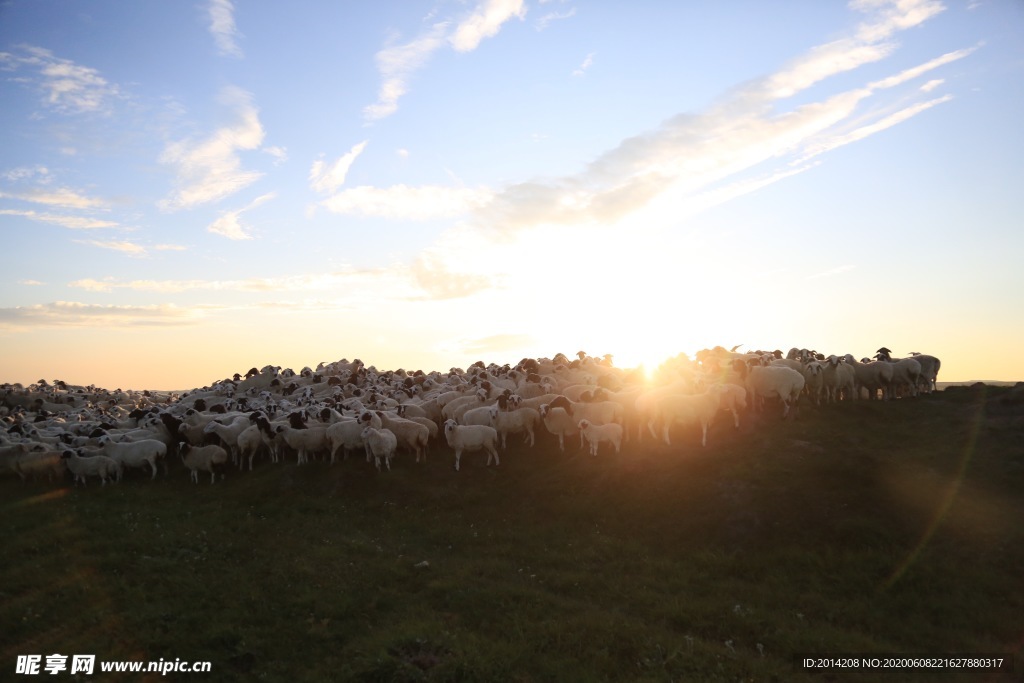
[(344, 407)]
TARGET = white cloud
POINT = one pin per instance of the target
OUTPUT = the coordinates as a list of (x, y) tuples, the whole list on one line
[(832, 271), (485, 22), (328, 178), (63, 197), (31, 283), (932, 84), (222, 27), (921, 69), (73, 222), (68, 88), (403, 202), (129, 248), (210, 169), (72, 313), (584, 66), (550, 17), (280, 154), (229, 225), (397, 64)]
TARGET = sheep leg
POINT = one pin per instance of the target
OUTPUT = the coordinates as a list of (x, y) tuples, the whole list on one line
[(665, 434)]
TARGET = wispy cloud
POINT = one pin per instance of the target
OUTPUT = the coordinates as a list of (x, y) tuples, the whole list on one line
[(76, 314), (229, 225), (412, 203), (397, 64), (63, 197), (325, 177), (485, 22), (31, 283), (584, 66), (839, 270), (73, 222), (222, 27), (546, 20), (129, 248), (211, 169), (67, 87)]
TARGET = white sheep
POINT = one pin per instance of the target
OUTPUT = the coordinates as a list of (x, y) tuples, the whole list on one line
[(346, 435), (559, 422), (100, 466), (596, 434), (471, 438), (32, 463), (688, 409), (304, 441), (382, 443), (906, 372), (814, 380), (137, 454), (840, 380), (410, 434), (206, 458), (872, 377), (771, 381), (513, 422)]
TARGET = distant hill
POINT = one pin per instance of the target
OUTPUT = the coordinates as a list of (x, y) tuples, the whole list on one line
[(990, 382)]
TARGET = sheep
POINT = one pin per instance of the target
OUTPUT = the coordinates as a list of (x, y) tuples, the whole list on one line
[(596, 434), (686, 408), (471, 438), (906, 372), (33, 463), (872, 377), (559, 422), (930, 366), (770, 381), (137, 454), (252, 437), (229, 432), (840, 379), (477, 416), (303, 441), (732, 397), (596, 412), (381, 443), (206, 458), (346, 435), (101, 466), (411, 435), (814, 380), (514, 421)]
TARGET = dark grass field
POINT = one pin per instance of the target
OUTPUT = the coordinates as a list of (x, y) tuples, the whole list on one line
[(864, 529)]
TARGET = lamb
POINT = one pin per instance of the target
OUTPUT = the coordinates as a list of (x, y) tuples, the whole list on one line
[(595, 412), (514, 422), (732, 397), (596, 434), (137, 454), (471, 438), (100, 466), (770, 381), (382, 443), (206, 458)]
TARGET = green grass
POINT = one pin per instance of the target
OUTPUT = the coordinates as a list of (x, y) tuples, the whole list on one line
[(862, 528)]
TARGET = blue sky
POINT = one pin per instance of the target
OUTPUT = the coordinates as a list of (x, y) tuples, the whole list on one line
[(191, 189)]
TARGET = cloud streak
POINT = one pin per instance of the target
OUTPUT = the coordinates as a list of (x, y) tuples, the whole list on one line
[(210, 169), (398, 64), (77, 314), (67, 87), (325, 177), (222, 27), (229, 225)]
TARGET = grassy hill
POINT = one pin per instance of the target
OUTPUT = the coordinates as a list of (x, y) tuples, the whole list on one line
[(861, 528)]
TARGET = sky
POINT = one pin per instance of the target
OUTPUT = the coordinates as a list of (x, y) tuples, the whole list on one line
[(191, 189)]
